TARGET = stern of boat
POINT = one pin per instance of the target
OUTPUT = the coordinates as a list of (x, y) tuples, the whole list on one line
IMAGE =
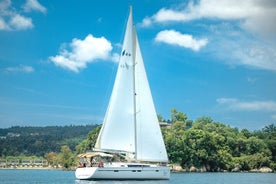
[(85, 173)]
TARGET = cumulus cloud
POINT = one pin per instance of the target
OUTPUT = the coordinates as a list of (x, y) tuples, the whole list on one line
[(173, 37), (166, 15), (256, 16), (34, 5), (19, 69), (11, 19), (81, 52), (238, 105), (245, 30)]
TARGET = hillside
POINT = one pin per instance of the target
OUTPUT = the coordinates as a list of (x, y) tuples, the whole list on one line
[(37, 141)]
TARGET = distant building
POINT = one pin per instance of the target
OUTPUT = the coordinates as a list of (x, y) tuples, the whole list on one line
[(14, 162), (40, 163), (165, 125), (11, 134), (26, 163), (3, 162), (34, 134)]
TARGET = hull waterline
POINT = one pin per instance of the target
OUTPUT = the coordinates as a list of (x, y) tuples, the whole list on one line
[(123, 173)]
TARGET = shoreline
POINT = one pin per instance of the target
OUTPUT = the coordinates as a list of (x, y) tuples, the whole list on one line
[(220, 172), (172, 171), (177, 168), (30, 168), (241, 171)]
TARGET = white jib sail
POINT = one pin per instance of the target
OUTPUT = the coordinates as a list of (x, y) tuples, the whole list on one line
[(131, 123)]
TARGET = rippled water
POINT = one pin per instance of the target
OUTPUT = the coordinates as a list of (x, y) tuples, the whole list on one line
[(16, 176)]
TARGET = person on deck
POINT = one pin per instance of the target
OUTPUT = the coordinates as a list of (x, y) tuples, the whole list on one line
[(84, 161)]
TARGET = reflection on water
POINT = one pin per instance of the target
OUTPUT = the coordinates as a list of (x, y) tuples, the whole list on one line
[(122, 182)]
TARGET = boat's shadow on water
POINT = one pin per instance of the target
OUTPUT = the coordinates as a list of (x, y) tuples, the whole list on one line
[(122, 182)]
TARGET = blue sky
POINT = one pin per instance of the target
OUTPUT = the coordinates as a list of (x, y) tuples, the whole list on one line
[(58, 59)]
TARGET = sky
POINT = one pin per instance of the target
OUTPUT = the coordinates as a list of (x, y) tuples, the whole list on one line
[(216, 58)]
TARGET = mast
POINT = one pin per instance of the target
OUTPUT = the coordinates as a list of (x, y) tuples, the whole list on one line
[(133, 39)]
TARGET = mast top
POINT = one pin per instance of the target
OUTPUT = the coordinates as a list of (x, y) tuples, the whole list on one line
[(130, 8)]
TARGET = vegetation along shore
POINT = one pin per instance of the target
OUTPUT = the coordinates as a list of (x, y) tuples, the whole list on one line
[(202, 145)]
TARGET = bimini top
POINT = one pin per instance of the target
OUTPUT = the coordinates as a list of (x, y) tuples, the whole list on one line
[(93, 154)]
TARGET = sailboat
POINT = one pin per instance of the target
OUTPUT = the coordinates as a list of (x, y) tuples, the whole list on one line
[(130, 127)]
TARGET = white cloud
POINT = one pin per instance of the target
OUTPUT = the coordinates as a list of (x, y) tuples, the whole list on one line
[(173, 37), (238, 32), (34, 5), (11, 19), (257, 56), (238, 105), (19, 22), (235, 47), (146, 22), (5, 13), (115, 57), (82, 52), (165, 15), (5, 8), (255, 15), (19, 69)]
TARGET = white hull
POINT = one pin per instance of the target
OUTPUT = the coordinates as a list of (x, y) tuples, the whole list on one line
[(124, 172)]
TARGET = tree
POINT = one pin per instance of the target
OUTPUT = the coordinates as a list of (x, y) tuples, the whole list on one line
[(90, 141), (66, 157), (159, 117), (204, 120), (255, 145), (246, 133), (269, 128), (92, 137), (177, 116), (189, 124), (52, 158), (215, 146)]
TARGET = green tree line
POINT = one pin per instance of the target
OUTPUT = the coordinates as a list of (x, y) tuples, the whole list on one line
[(203, 143), (214, 146), (29, 141), (209, 145)]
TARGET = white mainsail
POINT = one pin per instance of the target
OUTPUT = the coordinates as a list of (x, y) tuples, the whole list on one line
[(131, 123)]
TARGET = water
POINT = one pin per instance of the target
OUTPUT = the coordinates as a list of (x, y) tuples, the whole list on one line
[(16, 176)]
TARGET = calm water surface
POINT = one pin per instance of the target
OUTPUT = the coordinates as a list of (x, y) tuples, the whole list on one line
[(15, 176)]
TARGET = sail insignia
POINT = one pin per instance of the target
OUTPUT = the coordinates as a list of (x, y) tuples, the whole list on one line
[(125, 53)]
